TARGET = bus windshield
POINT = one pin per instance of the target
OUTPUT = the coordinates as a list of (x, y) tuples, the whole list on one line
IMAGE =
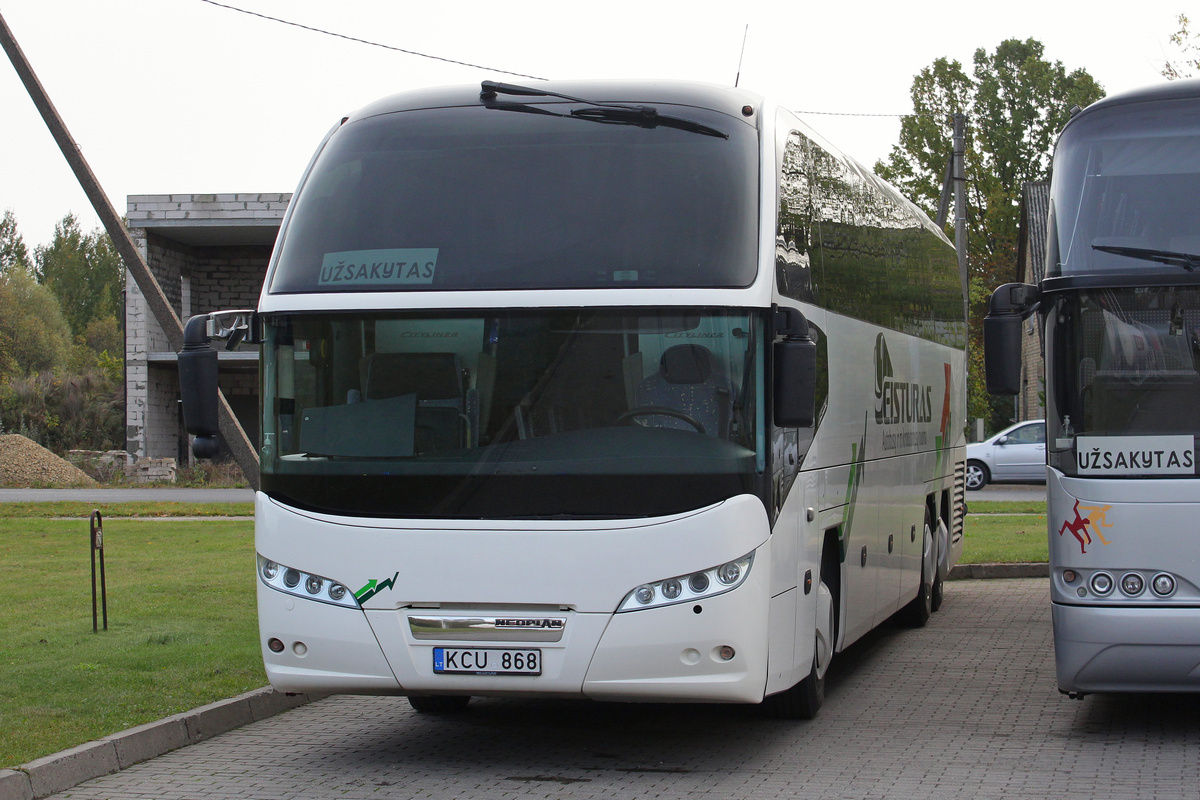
[(1126, 193), (523, 413), (477, 198), (1125, 364)]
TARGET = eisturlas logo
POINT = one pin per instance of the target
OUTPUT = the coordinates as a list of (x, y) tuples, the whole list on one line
[(898, 401)]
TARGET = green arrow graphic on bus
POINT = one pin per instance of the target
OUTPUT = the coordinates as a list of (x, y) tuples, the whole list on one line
[(858, 457), (374, 587)]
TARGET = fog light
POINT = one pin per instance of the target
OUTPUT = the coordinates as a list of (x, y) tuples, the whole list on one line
[(1132, 583), (726, 653), (1069, 575), (1163, 584), (275, 645), (644, 594), (1102, 583)]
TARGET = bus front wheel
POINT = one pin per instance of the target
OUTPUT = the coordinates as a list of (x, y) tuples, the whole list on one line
[(803, 700)]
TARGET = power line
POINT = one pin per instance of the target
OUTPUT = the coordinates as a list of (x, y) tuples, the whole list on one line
[(373, 44)]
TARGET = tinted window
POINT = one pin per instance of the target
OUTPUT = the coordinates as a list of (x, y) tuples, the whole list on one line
[(850, 243), (478, 198), (1126, 189)]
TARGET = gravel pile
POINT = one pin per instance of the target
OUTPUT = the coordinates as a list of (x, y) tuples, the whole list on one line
[(26, 464)]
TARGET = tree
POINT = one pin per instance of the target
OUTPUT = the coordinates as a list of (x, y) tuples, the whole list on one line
[(13, 253), (1015, 102), (84, 271), (34, 336), (1189, 52)]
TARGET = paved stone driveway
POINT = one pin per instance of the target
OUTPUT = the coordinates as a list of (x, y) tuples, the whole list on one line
[(966, 708)]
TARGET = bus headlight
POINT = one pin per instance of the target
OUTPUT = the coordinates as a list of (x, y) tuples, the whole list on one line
[(1132, 584), (1163, 584), (304, 584), (688, 588)]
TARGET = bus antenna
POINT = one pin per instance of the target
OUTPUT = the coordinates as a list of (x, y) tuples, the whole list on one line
[(737, 79)]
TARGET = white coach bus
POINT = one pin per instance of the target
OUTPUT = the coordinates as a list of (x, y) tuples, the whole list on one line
[(1119, 311), (625, 391)]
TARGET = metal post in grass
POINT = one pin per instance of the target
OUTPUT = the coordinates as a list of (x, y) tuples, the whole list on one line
[(97, 546)]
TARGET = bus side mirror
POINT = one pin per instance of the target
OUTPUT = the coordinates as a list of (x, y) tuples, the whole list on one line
[(795, 386), (1007, 306), (1002, 353), (198, 387)]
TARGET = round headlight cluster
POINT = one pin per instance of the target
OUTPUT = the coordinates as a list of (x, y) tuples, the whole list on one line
[(290, 580), (1131, 584), (688, 588)]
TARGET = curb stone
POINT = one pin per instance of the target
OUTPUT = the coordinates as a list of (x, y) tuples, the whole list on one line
[(54, 773), (967, 571)]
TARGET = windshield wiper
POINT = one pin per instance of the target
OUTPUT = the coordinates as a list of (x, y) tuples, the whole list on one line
[(606, 113), (1186, 260)]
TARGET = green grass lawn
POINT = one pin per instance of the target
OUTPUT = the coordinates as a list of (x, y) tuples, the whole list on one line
[(1004, 538), (182, 628)]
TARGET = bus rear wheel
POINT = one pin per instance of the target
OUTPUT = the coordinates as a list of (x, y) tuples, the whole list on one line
[(438, 703), (918, 610)]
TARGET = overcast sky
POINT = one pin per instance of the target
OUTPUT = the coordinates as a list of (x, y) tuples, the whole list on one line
[(181, 96)]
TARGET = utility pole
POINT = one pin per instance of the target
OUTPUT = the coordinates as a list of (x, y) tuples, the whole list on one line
[(231, 430), (960, 204)]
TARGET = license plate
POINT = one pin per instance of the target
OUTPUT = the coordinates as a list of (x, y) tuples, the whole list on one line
[(486, 661)]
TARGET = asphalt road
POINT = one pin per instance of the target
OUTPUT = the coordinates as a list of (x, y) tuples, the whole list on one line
[(964, 708)]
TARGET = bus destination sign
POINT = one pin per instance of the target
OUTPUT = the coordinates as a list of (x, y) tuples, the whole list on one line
[(1136, 455)]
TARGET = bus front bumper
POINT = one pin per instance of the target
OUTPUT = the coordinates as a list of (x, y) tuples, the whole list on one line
[(1126, 649)]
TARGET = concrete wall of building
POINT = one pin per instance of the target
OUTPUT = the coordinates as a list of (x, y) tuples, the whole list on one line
[(208, 252)]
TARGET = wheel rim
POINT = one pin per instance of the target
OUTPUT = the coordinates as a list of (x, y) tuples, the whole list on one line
[(974, 476)]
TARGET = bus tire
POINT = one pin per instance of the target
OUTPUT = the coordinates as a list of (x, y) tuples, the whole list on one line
[(803, 700), (939, 581), (438, 703), (918, 610)]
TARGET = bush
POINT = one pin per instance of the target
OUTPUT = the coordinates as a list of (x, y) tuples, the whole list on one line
[(84, 411)]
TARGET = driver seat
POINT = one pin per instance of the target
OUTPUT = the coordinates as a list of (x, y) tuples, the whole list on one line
[(688, 381)]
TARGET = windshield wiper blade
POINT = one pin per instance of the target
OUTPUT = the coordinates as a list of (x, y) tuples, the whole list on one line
[(1188, 261), (606, 113), (644, 117)]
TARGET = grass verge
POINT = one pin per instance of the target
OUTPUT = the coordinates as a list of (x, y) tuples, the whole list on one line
[(1006, 507), (84, 511), (182, 630)]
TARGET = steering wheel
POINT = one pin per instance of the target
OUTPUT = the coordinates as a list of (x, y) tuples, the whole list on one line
[(659, 411)]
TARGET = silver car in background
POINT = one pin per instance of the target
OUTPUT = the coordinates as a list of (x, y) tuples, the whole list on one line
[(1017, 453)]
